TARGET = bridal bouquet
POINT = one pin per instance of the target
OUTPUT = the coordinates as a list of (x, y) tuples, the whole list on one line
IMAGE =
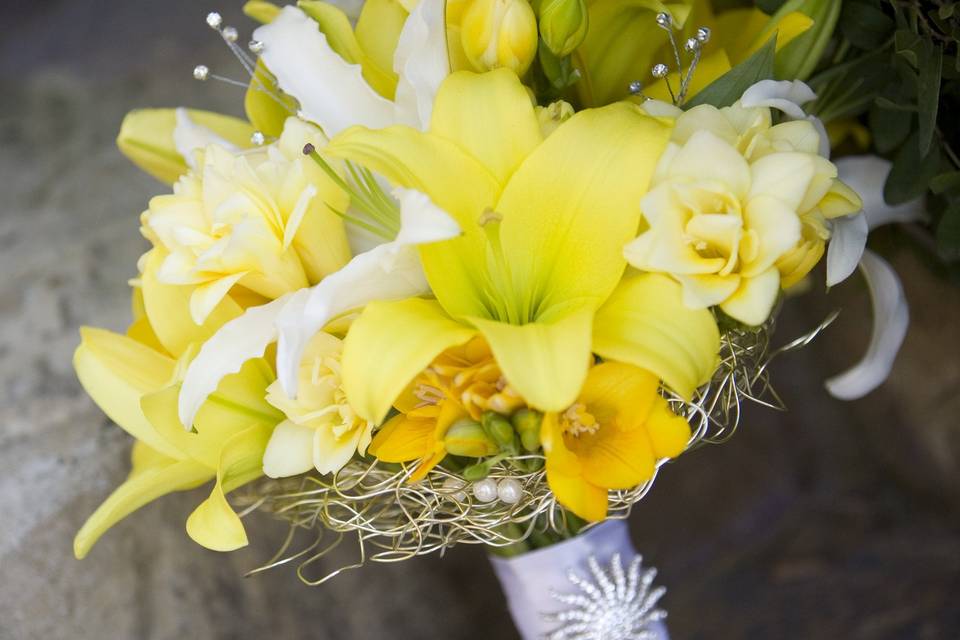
[(473, 271)]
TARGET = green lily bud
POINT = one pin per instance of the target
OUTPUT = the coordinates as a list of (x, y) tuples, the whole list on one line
[(798, 59), (563, 24), (527, 423), (499, 33), (146, 138), (498, 428), (468, 438)]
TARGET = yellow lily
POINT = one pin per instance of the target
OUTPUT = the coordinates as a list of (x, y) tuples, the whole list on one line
[(134, 379), (610, 438), (538, 268)]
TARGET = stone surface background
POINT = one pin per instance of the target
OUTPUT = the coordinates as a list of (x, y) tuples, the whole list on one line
[(832, 521)]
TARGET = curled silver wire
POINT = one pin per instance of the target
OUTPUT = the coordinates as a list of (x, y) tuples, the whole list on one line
[(394, 520)]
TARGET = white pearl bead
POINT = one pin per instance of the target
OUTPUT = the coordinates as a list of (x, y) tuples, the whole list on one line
[(257, 138), (200, 72), (256, 47), (510, 491), (452, 486), (214, 20), (230, 34), (485, 490)]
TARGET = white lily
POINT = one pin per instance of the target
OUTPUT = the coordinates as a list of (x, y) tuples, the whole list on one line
[(390, 271), (333, 93), (891, 316)]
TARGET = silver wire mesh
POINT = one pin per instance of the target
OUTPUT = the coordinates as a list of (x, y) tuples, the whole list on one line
[(394, 520)]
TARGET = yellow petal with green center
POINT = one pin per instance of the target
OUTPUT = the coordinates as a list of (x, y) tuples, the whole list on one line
[(116, 372), (545, 361), (146, 138), (455, 181), (646, 324), (168, 307), (214, 524), (572, 206), (153, 475), (490, 116), (388, 345)]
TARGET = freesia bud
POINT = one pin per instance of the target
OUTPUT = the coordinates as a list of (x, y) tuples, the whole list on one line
[(499, 429), (468, 438), (553, 115), (563, 24), (527, 423), (500, 33)]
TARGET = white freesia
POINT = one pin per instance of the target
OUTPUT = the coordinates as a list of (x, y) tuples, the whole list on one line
[(333, 92), (867, 175), (784, 95), (387, 272)]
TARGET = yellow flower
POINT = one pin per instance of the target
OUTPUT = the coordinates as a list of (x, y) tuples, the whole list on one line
[(734, 203), (499, 33), (322, 431), (134, 379), (610, 438), (538, 270), (261, 220), (463, 381), (624, 42), (563, 24)]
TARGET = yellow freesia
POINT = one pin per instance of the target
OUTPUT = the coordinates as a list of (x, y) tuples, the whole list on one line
[(134, 379), (610, 438), (499, 33), (544, 222), (322, 431), (738, 208), (264, 221)]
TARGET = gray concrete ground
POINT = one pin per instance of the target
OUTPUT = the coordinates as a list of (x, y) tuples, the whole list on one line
[(832, 521)]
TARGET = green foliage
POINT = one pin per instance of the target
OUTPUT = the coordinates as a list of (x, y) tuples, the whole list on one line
[(895, 66)]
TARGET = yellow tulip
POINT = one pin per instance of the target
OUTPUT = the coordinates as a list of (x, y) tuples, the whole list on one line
[(610, 438), (538, 270), (264, 221), (146, 138), (499, 33)]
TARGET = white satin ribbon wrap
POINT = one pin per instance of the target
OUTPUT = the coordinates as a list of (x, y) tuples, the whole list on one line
[(528, 579)]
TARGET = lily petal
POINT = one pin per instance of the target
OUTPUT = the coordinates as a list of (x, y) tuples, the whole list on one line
[(866, 175), (332, 92), (646, 324), (422, 62), (236, 342), (391, 271), (378, 364), (289, 451), (214, 524), (891, 317), (148, 481), (847, 243)]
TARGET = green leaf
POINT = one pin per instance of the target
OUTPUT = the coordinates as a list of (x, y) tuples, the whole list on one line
[(908, 44), (911, 173), (865, 24), (948, 234), (889, 128), (945, 182), (928, 93), (728, 88)]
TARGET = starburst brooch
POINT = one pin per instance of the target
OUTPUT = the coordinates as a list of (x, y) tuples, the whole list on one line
[(615, 605)]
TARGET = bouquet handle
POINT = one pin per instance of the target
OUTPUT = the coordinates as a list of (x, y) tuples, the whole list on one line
[(590, 586)]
